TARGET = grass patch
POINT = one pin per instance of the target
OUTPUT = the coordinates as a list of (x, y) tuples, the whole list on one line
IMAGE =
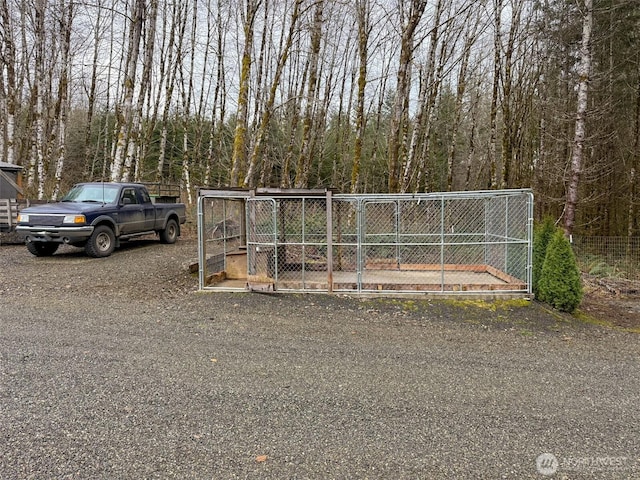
[(491, 305), (598, 322)]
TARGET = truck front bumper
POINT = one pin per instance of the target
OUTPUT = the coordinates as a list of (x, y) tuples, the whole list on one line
[(72, 235)]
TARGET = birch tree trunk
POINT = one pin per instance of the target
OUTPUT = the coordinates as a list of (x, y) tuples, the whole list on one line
[(187, 94), (126, 109), (3, 112), (460, 92), (133, 150), (584, 72), (9, 63), (89, 157), (306, 150), (66, 21), (39, 144), (429, 87), (205, 87), (400, 106), (169, 65), (107, 147), (219, 102)]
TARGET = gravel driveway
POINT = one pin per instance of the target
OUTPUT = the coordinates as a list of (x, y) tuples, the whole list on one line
[(118, 368)]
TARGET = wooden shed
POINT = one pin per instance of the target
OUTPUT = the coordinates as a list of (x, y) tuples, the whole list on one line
[(10, 192), (10, 180)]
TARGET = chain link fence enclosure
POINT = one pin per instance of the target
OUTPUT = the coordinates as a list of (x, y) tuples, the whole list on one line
[(463, 242)]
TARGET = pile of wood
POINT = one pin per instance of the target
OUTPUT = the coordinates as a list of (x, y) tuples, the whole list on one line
[(611, 285), (8, 214)]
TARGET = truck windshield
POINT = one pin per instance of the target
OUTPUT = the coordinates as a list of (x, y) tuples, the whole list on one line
[(92, 193)]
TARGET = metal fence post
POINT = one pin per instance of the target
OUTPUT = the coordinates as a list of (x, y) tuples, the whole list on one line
[(360, 239), (529, 269), (329, 201), (442, 240), (201, 243)]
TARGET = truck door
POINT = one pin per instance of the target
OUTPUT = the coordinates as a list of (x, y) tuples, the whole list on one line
[(130, 213), (148, 209)]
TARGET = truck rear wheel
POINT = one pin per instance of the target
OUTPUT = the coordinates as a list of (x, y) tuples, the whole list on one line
[(101, 243), (170, 233), (42, 249)]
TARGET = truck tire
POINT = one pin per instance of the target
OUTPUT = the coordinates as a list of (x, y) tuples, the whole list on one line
[(170, 233), (101, 243), (42, 249)]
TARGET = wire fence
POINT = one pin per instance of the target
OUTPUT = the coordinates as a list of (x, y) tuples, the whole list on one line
[(465, 242), (611, 257)]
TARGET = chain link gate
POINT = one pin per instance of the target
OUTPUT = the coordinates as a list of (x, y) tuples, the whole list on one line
[(476, 242)]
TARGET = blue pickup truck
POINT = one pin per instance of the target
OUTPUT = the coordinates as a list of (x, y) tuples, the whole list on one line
[(97, 216)]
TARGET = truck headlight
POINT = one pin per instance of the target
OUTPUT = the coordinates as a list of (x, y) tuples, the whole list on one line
[(74, 219), (23, 218)]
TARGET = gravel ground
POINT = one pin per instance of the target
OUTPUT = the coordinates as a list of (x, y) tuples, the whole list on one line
[(119, 368)]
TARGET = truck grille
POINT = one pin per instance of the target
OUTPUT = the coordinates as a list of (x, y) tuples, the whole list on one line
[(46, 220)]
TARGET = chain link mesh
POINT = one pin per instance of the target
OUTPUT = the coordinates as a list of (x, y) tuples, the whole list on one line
[(477, 242)]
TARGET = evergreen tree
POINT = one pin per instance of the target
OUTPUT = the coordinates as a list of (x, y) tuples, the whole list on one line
[(541, 237), (559, 283)]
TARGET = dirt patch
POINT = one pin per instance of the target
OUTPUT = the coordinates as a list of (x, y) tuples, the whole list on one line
[(612, 301)]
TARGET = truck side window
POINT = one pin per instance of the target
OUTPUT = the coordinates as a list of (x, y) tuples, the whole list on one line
[(129, 196), (144, 195)]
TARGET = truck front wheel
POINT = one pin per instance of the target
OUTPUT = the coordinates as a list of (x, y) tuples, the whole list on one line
[(42, 249), (101, 243), (170, 233)]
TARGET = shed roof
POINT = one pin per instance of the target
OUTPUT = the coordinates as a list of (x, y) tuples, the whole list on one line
[(10, 167)]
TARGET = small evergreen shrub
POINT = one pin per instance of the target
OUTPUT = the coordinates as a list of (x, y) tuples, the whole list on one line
[(559, 284), (541, 237)]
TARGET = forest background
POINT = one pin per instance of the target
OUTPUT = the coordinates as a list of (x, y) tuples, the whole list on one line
[(355, 95)]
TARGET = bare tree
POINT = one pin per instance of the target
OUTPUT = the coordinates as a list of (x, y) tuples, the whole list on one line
[(37, 167), (9, 90), (428, 92), (635, 162), (258, 147), (125, 117), (473, 26), (239, 158), (66, 13), (187, 94), (98, 32), (306, 151), (409, 23), (584, 72), (169, 72), (495, 92), (134, 149), (363, 16), (216, 137)]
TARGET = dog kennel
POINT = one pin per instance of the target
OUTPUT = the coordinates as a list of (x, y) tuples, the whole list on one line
[(314, 240)]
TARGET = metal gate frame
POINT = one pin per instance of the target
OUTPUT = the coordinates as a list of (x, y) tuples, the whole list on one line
[(505, 241)]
